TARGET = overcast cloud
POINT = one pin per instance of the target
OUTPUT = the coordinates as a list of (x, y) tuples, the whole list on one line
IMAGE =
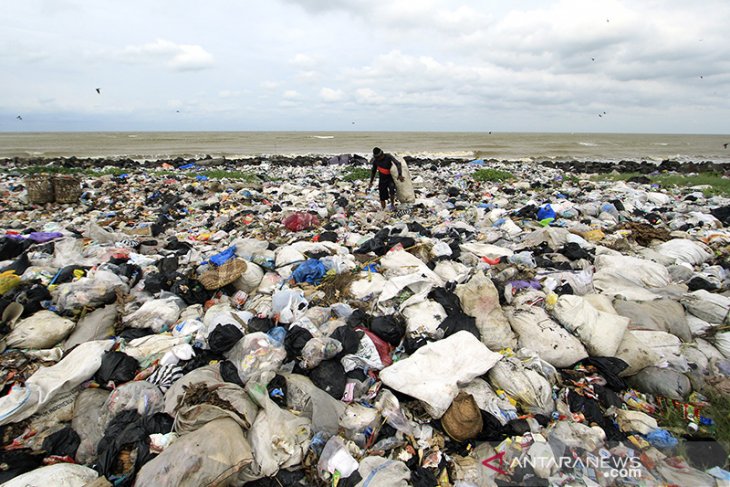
[(444, 65)]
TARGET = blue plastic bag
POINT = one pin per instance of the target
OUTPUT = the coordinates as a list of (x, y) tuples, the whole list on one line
[(223, 257), (661, 439), (311, 271), (545, 212), (187, 166), (277, 333)]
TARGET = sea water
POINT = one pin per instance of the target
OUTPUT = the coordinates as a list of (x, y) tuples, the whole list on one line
[(465, 145)]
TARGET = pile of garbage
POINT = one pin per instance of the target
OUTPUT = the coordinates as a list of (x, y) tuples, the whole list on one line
[(171, 329)]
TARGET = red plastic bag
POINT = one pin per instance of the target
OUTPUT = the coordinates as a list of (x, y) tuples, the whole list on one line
[(296, 222)]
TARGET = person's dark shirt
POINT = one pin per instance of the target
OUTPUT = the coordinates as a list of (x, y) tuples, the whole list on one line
[(386, 161)]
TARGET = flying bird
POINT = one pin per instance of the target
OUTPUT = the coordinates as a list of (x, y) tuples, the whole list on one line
[(701, 77), (98, 90), (593, 59), (21, 118)]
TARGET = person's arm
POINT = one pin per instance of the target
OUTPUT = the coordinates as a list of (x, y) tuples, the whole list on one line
[(372, 173)]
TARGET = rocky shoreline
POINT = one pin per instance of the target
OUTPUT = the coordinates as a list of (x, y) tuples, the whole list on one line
[(573, 166)]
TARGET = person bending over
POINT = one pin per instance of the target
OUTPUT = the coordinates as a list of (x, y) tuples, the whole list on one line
[(382, 164)]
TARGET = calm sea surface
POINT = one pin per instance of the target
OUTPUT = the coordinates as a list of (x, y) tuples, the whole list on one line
[(503, 146)]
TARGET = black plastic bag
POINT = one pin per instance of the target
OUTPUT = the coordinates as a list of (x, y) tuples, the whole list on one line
[(574, 251), (202, 358), (17, 462), (32, 297), (609, 368), (224, 337), (133, 333), (63, 443), (330, 376), (359, 318), (349, 338), (66, 274), (117, 367), (456, 322), (260, 324), (229, 373), (11, 248), (295, 340), (447, 299), (277, 390), (129, 429), (20, 265), (389, 328)]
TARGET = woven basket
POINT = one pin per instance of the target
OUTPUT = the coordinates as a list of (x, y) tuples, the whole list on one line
[(67, 188), (40, 189)]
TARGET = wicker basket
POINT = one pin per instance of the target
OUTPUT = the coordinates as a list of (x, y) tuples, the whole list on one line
[(40, 189), (67, 188)]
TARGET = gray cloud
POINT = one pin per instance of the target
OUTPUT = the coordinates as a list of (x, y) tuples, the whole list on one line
[(433, 64)]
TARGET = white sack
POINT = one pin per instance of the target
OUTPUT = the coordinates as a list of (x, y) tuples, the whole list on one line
[(683, 250), (480, 299), (553, 343), (600, 332), (435, 371), (43, 329), (46, 383)]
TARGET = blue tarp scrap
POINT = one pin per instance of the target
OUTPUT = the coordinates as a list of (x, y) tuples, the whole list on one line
[(311, 271), (223, 257)]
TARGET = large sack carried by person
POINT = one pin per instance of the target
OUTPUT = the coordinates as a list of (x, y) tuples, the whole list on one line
[(211, 455), (600, 332), (553, 343), (404, 189), (660, 315), (480, 299), (44, 329)]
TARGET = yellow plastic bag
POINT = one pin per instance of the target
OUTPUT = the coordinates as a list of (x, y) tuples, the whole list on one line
[(8, 281), (593, 235)]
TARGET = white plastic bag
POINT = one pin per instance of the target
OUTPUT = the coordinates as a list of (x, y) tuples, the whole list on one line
[(156, 314), (278, 438), (424, 318), (288, 305)]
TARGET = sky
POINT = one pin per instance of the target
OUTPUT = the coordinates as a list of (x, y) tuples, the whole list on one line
[(621, 66)]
